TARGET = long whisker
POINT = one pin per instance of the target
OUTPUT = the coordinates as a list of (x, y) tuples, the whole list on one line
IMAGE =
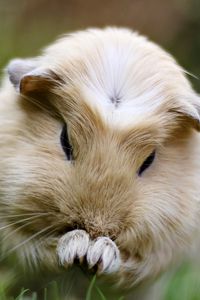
[(43, 238), (7, 205), (18, 229), (24, 215), (26, 241), (18, 222), (190, 74), (40, 241)]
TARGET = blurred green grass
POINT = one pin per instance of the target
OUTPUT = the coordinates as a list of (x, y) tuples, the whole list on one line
[(183, 285)]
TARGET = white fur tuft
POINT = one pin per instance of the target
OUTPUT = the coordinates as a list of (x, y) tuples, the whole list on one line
[(72, 245), (105, 254)]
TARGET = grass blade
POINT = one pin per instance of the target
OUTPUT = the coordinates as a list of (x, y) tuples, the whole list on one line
[(90, 288), (100, 293), (20, 297)]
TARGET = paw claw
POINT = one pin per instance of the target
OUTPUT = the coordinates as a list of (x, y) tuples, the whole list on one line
[(104, 253), (101, 254), (73, 245)]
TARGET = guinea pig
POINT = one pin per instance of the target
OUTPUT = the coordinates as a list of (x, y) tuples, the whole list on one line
[(100, 157)]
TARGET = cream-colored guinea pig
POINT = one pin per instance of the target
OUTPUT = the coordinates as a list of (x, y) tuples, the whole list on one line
[(100, 157)]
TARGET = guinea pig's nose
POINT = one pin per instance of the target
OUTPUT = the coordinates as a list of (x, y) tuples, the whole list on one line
[(96, 231)]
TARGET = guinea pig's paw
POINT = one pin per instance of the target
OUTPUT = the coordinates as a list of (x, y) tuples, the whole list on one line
[(73, 245), (104, 254)]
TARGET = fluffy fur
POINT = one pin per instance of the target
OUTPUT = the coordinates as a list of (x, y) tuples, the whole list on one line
[(121, 97)]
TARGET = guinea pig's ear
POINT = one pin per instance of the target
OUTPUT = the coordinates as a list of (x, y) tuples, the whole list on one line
[(28, 77), (189, 111)]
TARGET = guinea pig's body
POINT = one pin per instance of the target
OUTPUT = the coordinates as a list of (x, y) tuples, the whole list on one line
[(100, 158)]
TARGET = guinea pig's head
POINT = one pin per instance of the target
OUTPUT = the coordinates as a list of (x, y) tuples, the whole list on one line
[(101, 137)]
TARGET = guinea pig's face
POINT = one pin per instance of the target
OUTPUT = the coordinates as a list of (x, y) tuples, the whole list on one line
[(100, 140)]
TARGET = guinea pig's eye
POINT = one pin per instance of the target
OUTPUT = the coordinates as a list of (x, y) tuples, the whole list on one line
[(148, 161), (64, 140)]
